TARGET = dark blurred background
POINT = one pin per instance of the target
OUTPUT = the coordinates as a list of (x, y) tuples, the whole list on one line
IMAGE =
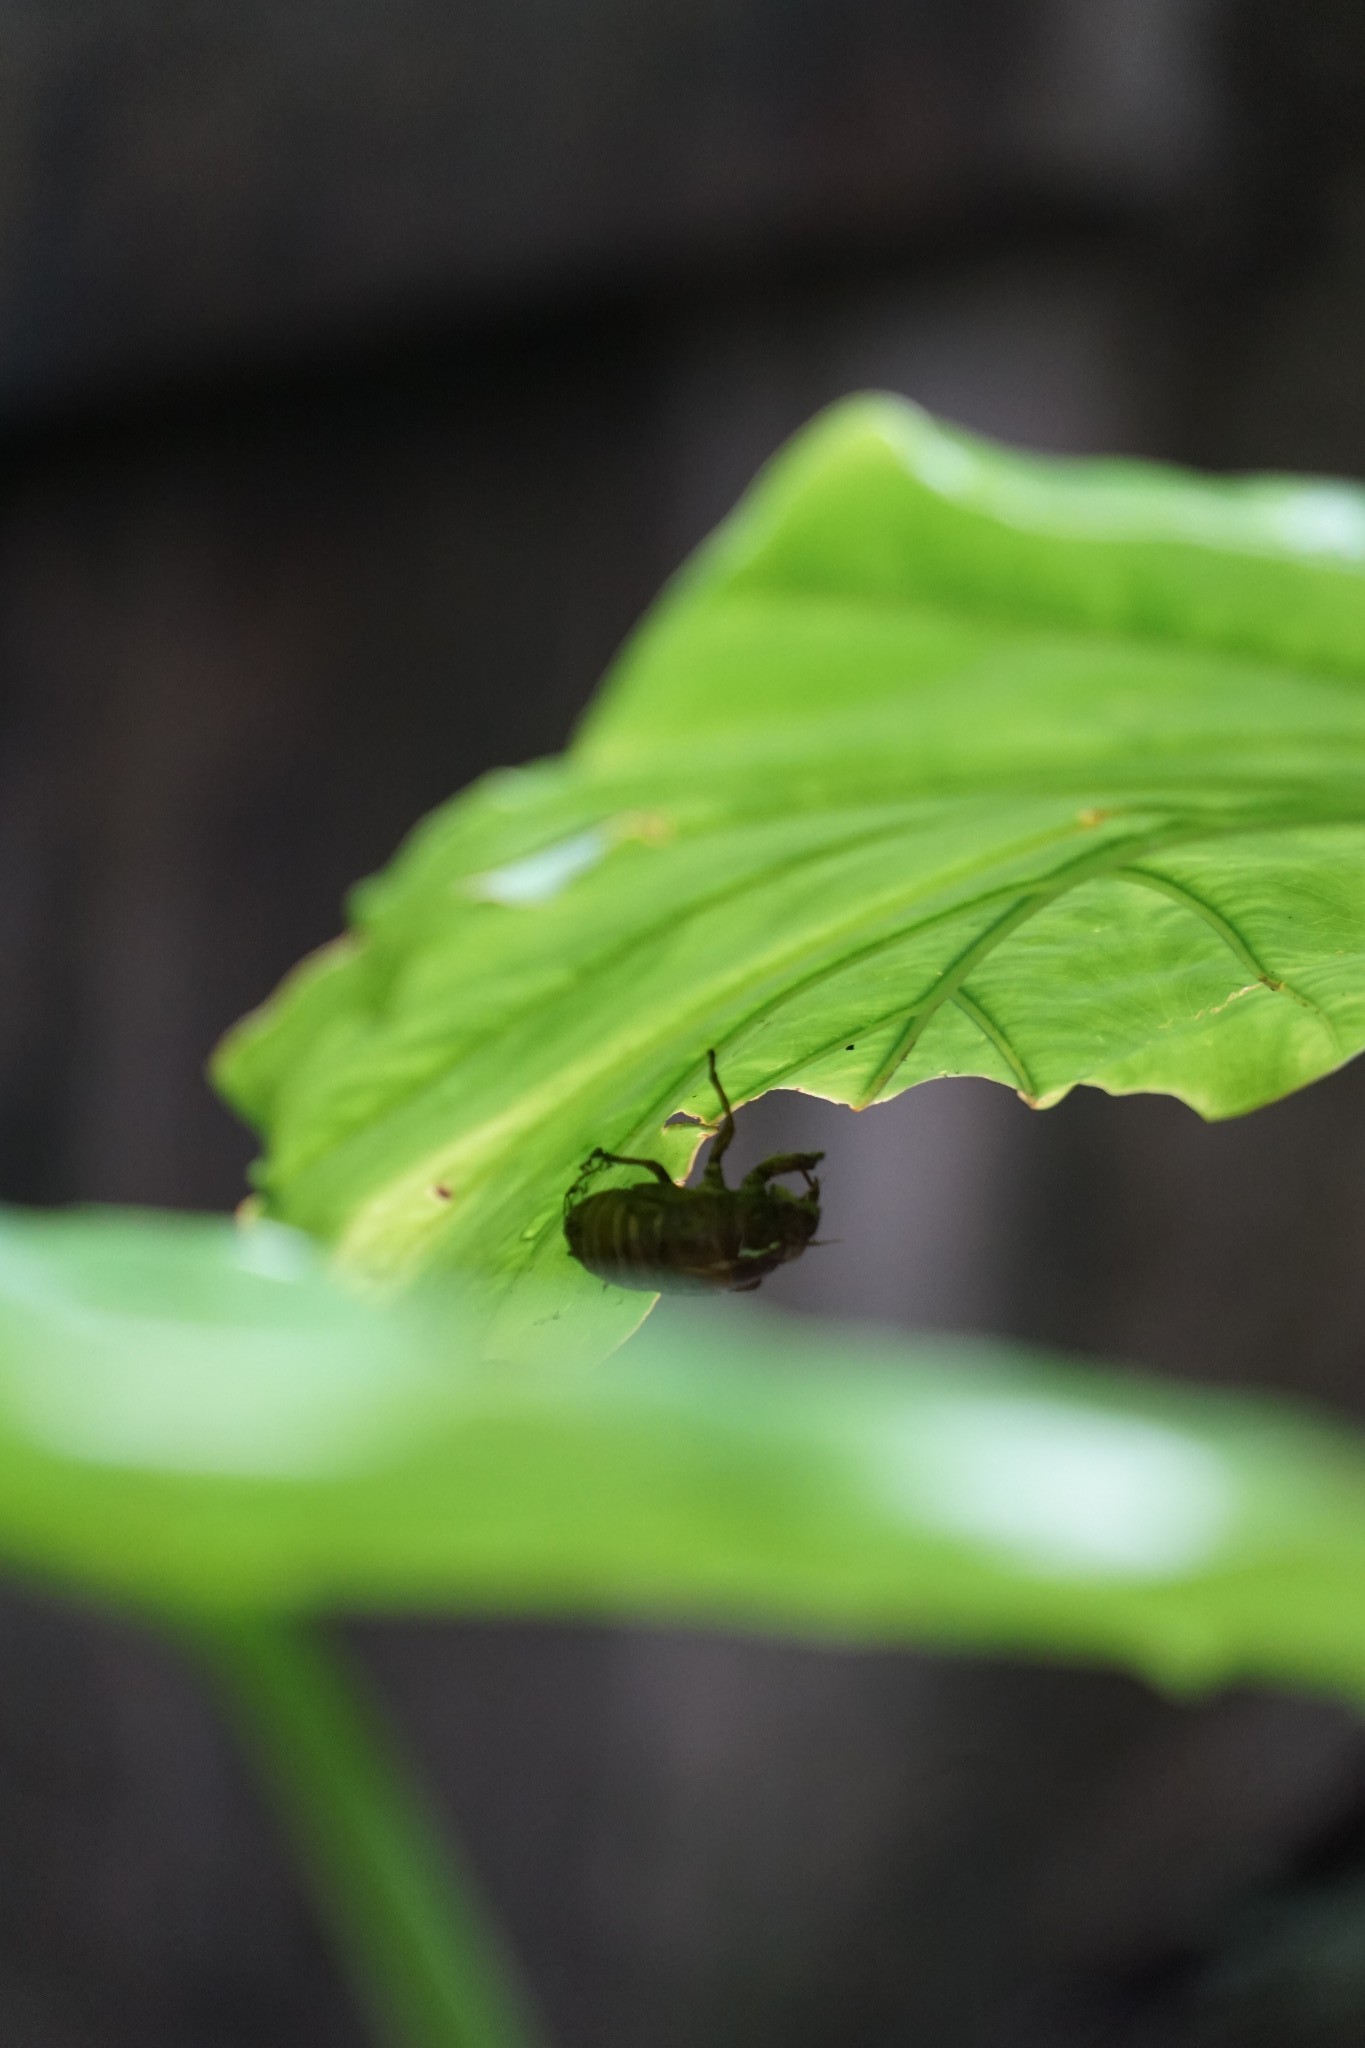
[(364, 369)]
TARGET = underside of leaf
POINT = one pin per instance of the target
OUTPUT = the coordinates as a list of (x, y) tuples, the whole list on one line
[(936, 760)]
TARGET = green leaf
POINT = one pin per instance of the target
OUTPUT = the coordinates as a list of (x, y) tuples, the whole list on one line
[(199, 1421), (935, 760)]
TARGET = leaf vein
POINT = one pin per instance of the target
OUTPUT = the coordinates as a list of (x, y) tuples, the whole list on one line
[(999, 1038), (1235, 941), (1084, 868)]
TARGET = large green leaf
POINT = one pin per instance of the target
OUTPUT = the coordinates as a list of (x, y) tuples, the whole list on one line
[(936, 760), (196, 1419)]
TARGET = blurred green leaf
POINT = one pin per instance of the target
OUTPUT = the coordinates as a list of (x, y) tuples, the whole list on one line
[(935, 760), (200, 1420)]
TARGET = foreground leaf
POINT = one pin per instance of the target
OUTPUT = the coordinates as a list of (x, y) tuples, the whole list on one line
[(200, 1421), (936, 760)]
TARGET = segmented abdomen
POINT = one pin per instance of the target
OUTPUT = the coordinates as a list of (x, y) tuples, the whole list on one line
[(650, 1236)]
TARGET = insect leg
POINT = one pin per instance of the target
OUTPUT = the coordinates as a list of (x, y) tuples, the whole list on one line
[(623, 1159), (713, 1176), (783, 1162), (594, 1163)]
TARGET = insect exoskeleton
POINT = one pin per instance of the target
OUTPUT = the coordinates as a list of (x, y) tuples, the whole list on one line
[(656, 1236)]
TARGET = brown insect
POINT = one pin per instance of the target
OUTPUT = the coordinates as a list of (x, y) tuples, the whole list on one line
[(657, 1236)]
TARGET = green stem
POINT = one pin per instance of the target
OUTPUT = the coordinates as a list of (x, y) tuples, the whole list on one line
[(404, 1916)]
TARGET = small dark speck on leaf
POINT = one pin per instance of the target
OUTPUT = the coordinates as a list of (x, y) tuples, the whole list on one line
[(441, 1192), (848, 1048)]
